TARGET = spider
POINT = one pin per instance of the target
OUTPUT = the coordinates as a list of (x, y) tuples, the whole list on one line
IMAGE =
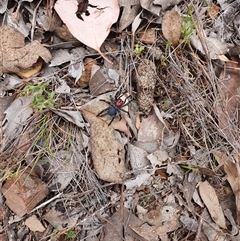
[(115, 106)]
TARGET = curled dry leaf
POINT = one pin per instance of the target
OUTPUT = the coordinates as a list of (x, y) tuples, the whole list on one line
[(172, 26), (86, 74), (108, 153), (130, 11), (210, 199), (93, 29), (15, 55)]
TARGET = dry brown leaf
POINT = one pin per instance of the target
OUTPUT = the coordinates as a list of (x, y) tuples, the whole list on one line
[(151, 129), (153, 233), (61, 220), (130, 11), (93, 29), (15, 55), (138, 157), (99, 83), (227, 104), (28, 72), (213, 10), (114, 226), (18, 112), (107, 148), (121, 125), (172, 26), (211, 201), (158, 157), (148, 36), (24, 192), (214, 46), (86, 74), (153, 217), (233, 177), (151, 6), (34, 224)]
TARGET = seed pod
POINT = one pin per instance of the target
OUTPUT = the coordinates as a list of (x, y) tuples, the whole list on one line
[(146, 81)]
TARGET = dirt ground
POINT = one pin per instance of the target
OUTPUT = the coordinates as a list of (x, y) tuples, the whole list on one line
[(119, 120)]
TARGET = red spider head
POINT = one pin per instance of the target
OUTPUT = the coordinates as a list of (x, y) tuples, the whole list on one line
[(119, 103)]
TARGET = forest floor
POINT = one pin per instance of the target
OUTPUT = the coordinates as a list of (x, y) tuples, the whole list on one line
[(122, 133)]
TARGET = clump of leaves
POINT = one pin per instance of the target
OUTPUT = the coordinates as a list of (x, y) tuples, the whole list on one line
[(138, 49), (188, 26), (42, 97)]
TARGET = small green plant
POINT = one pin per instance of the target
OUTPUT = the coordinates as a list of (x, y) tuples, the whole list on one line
[(42, 98), (138, 49), (40, 102), (188, 168), (188, 26), (31, 89), (70, 234), (166, 102), (163, 60), (54, 232), (169, 44)]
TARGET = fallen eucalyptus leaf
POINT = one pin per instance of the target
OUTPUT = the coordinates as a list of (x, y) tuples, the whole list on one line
[(214, 46), (210, 199), (93, 29)]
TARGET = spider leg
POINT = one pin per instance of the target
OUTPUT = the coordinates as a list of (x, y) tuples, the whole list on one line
[(123, 110), (112, 105), (103, 112), (124, 104), (111, 120), (119, 113), (106, 101), (118, 93), (125, 101)]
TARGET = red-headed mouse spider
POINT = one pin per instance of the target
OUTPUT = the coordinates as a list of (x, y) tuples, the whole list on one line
[(115, 106)]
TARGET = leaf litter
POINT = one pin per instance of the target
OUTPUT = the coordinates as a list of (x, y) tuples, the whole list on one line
[(168, 164)]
